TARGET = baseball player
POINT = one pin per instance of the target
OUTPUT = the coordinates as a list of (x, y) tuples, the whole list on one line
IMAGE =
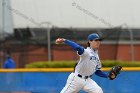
[(88, 64), (9, 63)]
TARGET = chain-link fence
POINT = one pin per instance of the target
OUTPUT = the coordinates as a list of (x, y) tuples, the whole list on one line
[(31, 44)]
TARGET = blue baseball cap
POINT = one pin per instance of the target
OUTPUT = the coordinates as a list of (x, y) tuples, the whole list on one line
[(94, 36)]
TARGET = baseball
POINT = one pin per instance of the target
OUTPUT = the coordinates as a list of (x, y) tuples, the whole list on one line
[(58, 41)]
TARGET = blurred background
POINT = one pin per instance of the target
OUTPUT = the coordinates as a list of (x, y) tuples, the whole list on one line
[(28, 29)]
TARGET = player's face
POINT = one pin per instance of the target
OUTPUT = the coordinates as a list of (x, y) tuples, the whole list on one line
[(95, 44)]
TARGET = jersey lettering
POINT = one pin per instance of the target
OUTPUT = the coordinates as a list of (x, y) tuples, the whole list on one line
[(94, 58)]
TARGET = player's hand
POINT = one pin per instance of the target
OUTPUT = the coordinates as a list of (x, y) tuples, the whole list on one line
[(59, 40)]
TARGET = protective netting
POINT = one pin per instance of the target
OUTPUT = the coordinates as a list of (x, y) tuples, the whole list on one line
[(27, 40)]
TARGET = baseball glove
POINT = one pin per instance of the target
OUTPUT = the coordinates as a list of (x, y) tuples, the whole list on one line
[(114, 71)]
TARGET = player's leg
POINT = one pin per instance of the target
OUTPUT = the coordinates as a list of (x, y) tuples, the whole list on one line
[(73, 84), (92, 87)]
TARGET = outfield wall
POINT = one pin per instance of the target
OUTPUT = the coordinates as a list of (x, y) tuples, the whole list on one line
[(53, 80)]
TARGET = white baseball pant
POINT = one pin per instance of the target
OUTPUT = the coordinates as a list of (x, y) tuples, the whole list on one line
[(75, 84)]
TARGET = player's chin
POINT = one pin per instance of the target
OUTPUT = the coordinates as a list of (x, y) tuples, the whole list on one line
[(97, 47)]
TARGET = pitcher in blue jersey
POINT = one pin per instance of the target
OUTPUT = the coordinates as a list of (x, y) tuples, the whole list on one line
[(88, 64)]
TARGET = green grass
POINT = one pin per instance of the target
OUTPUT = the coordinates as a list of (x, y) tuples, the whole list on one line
[(69, 64), (53, 64), (122, 63)]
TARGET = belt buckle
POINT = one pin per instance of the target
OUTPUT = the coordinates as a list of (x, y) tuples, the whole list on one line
[(86, 77)]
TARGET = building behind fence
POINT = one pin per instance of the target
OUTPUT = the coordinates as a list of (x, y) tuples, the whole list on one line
[(31, 44)]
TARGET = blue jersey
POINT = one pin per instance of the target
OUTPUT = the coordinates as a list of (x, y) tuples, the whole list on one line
[(9, 63), (82, 63)]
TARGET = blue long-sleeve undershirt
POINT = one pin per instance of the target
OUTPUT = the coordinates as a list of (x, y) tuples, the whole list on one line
[(80, 50), (101, 73), (75, 46)]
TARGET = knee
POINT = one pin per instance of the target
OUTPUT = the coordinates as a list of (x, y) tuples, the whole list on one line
[(100, 90)]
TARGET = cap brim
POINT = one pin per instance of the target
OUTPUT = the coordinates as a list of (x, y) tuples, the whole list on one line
[(99, 39)]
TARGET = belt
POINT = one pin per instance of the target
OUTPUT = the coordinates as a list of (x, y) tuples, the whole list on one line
[(84, 77)]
